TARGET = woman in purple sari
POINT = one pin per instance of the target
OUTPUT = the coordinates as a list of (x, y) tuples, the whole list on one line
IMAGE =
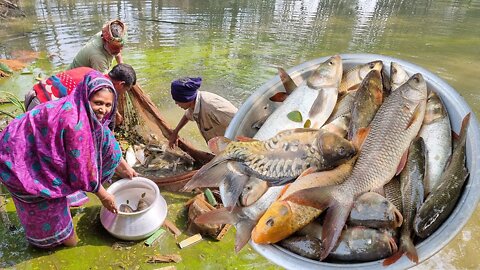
[(58, 149)]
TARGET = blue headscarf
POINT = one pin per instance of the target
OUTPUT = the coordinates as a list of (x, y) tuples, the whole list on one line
[(185, 89)]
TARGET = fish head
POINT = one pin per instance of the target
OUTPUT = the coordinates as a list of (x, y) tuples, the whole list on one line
[(253, 190), (417, 90), (366, 68), (275, 224), (435, 109), (398, 75), (334, 149), (328, 74)]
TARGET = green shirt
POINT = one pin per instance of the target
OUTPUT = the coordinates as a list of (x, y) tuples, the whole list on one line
[(93, 55)]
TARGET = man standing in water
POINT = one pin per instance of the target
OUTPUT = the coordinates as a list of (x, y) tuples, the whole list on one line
[(100, 50), (211, 112)]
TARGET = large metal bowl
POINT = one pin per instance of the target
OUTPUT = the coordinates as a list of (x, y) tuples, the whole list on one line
[(137, 225), (258, 105)]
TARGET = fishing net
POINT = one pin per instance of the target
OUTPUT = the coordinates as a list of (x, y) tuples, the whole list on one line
[(143, 134)]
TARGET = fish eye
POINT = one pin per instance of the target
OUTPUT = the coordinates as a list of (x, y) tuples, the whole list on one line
[(341, 150), (372, 65), (270, 222), (330, 63)]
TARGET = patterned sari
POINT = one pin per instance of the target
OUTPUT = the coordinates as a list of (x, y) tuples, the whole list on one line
[(53, 151)]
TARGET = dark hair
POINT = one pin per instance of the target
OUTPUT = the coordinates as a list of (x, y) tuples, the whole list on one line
[(123, 72)]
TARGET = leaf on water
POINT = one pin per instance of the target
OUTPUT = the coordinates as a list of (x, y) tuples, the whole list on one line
[(307, 124), (295, 116)]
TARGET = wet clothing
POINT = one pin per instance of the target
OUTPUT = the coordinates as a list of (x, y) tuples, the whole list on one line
[(93, 55), (55, 150), (212, 113), (55, 87)]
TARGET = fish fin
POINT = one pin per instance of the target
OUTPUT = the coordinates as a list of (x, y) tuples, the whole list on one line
[(410, 250), (224, 215), (359, 138), (398, 217), (465, 122), (245, 139), (333, 224), (317, 105), (353, 87), (287, 81), (218, 144), (244, 228), (234, 183), (279, 97), (403, 162), (415, 115), (210, 175), (392, 259), (318, 197), (455, 136), (284, 189), (308, 171)]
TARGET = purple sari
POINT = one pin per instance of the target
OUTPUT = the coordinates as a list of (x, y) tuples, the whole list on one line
[(53, 151)]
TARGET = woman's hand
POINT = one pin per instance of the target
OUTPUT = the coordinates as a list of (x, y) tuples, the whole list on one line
[(107, 199), (124, 170)]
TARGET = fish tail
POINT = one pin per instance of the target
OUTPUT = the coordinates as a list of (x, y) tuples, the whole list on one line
[(335, 220), (210, 175), (230, 215), (406, 247), (339, 205)]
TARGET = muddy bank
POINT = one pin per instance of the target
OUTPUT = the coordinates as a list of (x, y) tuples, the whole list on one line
[(10, 9)]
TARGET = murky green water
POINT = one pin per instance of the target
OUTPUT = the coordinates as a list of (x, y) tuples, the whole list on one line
[(236, 46)]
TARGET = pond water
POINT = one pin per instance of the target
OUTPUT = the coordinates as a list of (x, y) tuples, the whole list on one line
[(236, 46)]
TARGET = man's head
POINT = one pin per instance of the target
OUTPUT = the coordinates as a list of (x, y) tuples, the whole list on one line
[(123, 77), (113, 34), (184, 91)]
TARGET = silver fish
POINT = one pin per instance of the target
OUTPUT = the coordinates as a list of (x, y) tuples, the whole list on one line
[(437, 134), (393, 128), (314, 100)]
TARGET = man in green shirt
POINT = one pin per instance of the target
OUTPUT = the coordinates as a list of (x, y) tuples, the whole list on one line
[(100, 50)]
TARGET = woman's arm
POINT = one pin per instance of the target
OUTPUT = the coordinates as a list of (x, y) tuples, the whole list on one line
[(119, 58), (107, 199)]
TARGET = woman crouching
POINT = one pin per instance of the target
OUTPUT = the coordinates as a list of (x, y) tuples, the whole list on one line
[(59, 149)]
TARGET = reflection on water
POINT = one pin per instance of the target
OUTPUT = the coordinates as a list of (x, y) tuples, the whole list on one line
[(237, 45)]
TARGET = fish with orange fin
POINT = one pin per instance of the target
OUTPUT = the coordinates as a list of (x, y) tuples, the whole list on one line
[(393, 128), (285, 217), (411, 182), (368, 99), (288, 84), (243, 218), (277, 160)]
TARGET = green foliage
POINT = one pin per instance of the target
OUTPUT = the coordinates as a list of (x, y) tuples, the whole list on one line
[(13, 99)]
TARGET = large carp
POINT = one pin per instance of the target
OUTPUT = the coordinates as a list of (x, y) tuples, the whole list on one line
[(278, 160), (392, 129), (314, 100)]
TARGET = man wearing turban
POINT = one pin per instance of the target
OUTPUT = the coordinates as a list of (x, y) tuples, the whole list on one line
[(211, 112)]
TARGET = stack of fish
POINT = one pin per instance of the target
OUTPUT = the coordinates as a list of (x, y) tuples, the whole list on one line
[(370, 150)]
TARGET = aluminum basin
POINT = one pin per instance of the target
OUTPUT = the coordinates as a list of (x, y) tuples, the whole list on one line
[(258, 105), (136, 225)]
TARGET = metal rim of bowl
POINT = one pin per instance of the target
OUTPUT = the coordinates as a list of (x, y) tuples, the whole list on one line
[(464, 208)]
